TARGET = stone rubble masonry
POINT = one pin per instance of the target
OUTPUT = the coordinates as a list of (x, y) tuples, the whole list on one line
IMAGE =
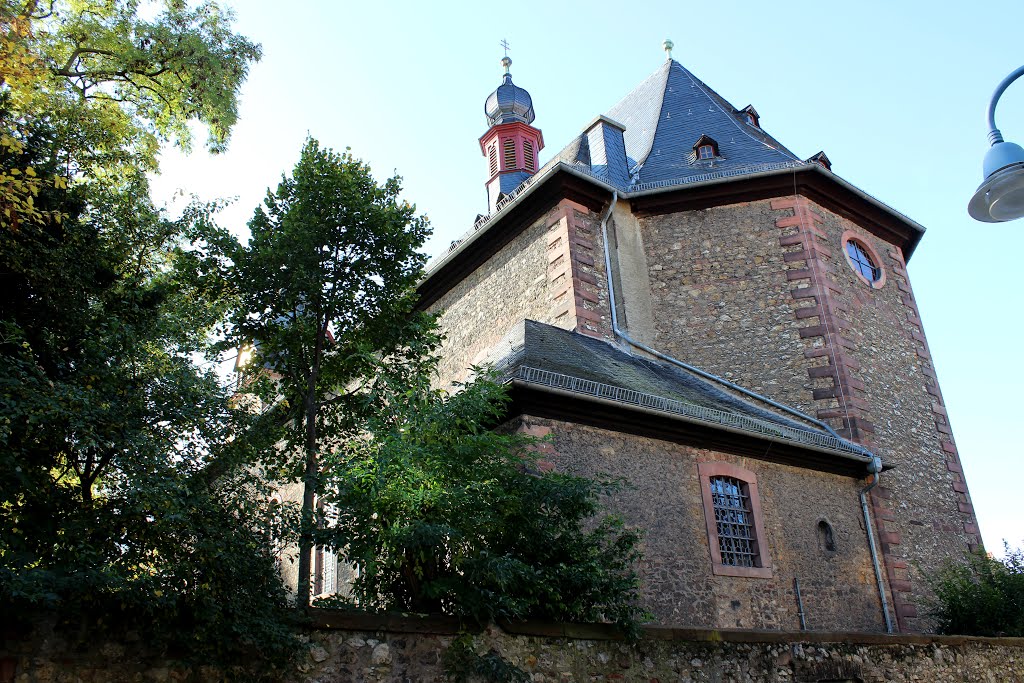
[(663, 499), (553, 272), (761, 293), (376, 649)]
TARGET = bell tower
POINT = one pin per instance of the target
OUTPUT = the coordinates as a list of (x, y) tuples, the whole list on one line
[(511, 145)]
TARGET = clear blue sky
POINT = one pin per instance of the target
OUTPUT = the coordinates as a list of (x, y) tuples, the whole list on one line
[(893, 92)]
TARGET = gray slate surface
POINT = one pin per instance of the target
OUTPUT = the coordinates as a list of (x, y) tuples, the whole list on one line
[(537, 345)]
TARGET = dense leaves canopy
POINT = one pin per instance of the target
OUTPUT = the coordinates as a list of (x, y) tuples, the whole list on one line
[(109, 412), (325, 296), (441, 512), (984, 597)]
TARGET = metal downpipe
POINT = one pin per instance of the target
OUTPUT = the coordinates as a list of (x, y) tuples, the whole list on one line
[(876, 469)]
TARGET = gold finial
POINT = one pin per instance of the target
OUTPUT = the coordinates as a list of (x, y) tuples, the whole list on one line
[(505, 61), (667, 47)]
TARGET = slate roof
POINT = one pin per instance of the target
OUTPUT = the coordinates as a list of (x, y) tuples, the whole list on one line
[(547, 355), (666, 114), (508, 104)]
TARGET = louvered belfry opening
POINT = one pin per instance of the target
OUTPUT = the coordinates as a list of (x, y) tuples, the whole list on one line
[(509, 151), (510, 145), (735, 522), (528, 162)]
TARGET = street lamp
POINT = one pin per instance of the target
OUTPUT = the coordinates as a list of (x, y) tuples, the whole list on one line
[(1001, 196)]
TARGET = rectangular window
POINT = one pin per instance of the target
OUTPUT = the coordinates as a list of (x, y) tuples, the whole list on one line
[(492, 157), (732, 512), (733, 521)]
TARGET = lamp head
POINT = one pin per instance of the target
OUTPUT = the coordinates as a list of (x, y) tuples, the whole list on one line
[(1001, 196)]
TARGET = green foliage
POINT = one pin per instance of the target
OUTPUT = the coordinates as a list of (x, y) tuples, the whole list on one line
[(463, 664), (984, 597), (104, 71), (442, 513), (111, 417), (326, 289), (106, 420)]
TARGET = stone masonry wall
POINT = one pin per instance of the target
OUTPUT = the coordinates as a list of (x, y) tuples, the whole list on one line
[(722, 301), (550, 273), (883, 370), (413, 650), (663, 499), (762, 294)]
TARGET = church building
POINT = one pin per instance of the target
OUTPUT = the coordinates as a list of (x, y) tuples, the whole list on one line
[(677, 299)]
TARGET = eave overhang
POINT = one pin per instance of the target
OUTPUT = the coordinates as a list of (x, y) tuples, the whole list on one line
[(564, 181), (555, 404), (545, 191), (810, 180)]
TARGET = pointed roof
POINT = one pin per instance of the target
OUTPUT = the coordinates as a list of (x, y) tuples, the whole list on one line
[(669, 111)]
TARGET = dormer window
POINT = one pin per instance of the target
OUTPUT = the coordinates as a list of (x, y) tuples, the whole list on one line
[(705, 148), (749, 115)]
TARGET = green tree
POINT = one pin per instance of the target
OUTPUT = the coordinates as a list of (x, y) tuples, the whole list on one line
[(109, 419), (326, 290), (111, 87), (983, 597), (442, 512)]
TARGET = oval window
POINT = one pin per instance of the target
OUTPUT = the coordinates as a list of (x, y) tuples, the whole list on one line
[(864, 261)]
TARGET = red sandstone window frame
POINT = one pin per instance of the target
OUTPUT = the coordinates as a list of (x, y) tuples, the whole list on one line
[(707, 470), (865, 246)]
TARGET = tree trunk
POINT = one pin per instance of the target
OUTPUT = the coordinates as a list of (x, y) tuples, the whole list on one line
[(309, 489)]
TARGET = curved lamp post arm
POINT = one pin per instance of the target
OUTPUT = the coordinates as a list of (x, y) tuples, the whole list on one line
[(994, 135)]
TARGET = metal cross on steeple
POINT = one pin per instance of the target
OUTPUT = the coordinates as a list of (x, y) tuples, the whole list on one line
[(506, 61)]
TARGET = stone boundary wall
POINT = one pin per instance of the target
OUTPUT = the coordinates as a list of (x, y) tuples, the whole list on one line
[(371, 648)]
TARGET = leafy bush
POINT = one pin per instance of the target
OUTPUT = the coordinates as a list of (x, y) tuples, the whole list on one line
[(984, 597), (442, 513)]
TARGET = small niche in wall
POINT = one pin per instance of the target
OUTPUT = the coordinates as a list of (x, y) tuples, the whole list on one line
[(826, 537)]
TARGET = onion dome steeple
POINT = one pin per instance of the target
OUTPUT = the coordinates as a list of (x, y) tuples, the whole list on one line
[(510, 145), (509, 103)]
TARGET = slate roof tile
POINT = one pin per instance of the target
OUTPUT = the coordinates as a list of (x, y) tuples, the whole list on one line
[(533, 344)]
